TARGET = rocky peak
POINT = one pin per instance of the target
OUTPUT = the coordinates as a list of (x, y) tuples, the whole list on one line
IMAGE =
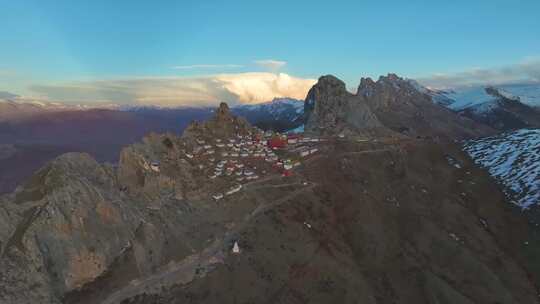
[(366, 81), (390, 77), (386, 90), (327, 87), (223, 112), (330, 108), (222, 125), (366, 87), (331, 82), (495, 92)]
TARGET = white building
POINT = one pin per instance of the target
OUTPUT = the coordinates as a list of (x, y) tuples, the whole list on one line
[(234, 190), (292, 141), (154, 166)]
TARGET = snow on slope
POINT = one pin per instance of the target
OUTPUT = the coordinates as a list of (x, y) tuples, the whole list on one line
[(528, 94), (469, 97), (276, 107), (513, 158), (300, 129), (479, 100)]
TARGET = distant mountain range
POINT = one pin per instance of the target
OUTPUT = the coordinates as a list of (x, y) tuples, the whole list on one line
[(11, 108), (505, 107), (280, 114)]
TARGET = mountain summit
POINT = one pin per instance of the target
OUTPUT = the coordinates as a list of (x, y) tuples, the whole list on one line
[(223, 124), (330, 108)]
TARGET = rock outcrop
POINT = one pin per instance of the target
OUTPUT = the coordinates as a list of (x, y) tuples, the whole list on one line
[(222, 125), (330, 108), (136, 175), (54, 238), (390, 102)]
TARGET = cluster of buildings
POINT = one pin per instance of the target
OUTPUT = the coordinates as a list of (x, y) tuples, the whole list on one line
[(241, 159)]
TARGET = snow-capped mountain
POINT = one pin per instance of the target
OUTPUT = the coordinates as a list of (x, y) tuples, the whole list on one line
[(14, 107), (504, 107), (480, 96), (513, 158), (279, 114)]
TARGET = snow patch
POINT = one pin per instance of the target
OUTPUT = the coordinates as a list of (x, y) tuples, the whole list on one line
[(513, 158), (300, 129)]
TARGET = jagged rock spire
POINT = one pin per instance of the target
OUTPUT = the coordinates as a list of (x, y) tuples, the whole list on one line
[(223, 111), (222, 125), (330, 108)]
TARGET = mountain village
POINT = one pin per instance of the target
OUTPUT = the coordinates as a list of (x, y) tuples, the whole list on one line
[(230, 163)]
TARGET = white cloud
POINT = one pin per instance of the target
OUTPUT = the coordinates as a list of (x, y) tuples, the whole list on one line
[(259, 87), (207, 66), (180, 91), (525, 71), (270, 64)]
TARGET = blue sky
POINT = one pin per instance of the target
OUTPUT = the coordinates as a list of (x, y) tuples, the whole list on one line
[(45, 43)]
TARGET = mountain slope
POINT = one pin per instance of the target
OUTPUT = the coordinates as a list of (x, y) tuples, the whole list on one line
[(506, 107), (514, 160)]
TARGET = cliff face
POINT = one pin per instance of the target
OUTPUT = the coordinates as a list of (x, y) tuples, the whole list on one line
[(57, 222), (330, 108), (388, 103)]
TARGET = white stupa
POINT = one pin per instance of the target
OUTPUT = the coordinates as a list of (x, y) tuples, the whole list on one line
[(236, 248)]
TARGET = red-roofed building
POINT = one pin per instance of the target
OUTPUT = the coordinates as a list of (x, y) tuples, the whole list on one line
[(287, 173), (277, 142)]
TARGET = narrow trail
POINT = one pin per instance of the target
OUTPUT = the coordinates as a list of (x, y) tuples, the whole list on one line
[(196, 265)]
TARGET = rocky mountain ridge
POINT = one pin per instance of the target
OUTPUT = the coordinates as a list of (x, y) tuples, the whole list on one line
[(330, 108), (390, 103)]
